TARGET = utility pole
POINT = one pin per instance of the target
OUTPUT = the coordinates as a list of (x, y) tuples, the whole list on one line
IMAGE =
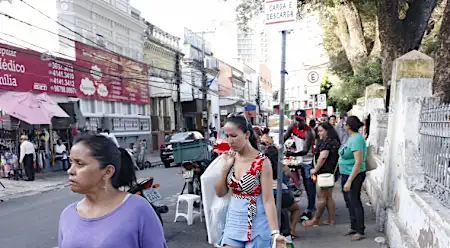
[(178, 107), (258, 101), (205, 90)]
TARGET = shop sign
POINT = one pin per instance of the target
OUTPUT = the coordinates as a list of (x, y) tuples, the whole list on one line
[(95, 74), (106, 76), (125, 124), (92, 123), (145, 124)]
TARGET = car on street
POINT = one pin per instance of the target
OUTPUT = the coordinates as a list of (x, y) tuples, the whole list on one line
[(166, 150), (274, 134)]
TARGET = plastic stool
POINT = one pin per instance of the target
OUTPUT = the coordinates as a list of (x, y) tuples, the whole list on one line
[(191, 214)]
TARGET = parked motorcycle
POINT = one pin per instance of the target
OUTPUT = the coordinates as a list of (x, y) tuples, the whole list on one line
[(191, 175), (149, 191)]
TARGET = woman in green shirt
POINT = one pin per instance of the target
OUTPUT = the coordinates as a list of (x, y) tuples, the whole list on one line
[(352, 165)]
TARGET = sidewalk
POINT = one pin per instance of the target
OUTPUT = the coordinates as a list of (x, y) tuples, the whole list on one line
[(44, 182), (332, 236)]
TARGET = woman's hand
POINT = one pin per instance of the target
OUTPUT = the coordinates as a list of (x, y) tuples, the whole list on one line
[(229, 161), (313, 171), (347, 186), (281, 241)]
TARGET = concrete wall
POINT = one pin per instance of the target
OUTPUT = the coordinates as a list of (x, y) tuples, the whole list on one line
[(408, 215)]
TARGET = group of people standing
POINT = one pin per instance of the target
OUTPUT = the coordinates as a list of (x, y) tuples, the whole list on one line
[(329, 146)]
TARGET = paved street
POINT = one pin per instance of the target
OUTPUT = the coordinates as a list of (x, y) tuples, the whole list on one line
[(32, 221)]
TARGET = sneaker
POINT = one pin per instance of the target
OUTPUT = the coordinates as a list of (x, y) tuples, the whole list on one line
[(306, 216)]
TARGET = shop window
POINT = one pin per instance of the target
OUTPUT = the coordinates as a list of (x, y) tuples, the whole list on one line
[(99, 106), (141, 109)]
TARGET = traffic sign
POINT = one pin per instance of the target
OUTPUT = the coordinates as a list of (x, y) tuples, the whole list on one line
[(322, 101), (280, 13), (313, 77)]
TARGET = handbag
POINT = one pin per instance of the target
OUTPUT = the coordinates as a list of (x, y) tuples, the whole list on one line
[(325, 180), (371, 163)]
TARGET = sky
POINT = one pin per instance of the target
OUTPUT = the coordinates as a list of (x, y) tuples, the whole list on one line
[(173, 15)]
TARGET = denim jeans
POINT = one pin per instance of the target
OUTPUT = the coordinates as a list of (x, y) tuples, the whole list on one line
[(310, 186), (353, 202)]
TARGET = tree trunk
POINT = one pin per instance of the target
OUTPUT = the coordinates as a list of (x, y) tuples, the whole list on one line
[(376, 49), (441, 81), (350, 33), (399, 36)]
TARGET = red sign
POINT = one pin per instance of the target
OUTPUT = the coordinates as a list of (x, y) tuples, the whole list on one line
[(106, 76), (96, 74), (28, 70)]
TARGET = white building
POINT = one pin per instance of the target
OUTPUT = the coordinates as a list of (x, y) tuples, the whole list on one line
[(192, 82), (311, 58), (116, 26), (17, 33)]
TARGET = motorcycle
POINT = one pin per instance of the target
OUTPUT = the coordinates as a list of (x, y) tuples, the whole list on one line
[(148, 190), (191, 174)]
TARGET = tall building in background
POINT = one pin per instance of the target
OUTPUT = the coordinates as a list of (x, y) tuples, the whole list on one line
[(302, 59), (108, 25)]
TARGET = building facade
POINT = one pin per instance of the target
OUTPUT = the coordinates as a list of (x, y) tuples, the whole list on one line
[(265, 91), (232, 90), (116, 27), (193, 64), (161, 52)]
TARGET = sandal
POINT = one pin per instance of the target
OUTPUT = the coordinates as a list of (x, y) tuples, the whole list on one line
[(328, 222), (312, 223), (358, 237), (350, 232)]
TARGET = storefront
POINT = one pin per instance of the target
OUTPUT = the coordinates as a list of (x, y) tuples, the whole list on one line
[(97, 89)]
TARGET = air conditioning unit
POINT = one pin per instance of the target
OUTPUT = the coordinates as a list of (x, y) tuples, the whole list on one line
[(207, 63)]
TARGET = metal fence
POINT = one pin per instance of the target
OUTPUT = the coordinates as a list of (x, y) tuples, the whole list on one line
[(435, 149)]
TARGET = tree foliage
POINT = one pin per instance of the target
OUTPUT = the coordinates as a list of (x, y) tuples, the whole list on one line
[(358, 32)]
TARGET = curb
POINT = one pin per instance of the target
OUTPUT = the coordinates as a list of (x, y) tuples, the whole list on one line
[(35, 192)]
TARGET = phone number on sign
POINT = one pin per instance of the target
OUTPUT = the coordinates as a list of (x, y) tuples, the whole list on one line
[(63, 89)]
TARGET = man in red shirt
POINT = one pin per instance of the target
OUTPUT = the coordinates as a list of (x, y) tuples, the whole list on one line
[(303, 136)]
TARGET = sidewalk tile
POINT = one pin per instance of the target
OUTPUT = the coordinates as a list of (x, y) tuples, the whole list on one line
[(332, 236), (43, 182)]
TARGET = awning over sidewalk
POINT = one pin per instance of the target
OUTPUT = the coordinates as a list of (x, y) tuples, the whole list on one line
[(29, 108)]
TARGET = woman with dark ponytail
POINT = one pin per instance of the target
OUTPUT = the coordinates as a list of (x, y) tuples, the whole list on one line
[(251, 219), (98, 169)]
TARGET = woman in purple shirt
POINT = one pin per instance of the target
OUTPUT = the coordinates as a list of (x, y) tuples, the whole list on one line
[(106, 216)]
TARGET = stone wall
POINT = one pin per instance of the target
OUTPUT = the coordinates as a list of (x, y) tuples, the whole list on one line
[(408, 215)]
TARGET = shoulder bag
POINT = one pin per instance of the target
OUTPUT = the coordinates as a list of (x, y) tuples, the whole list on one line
[(325, 180)]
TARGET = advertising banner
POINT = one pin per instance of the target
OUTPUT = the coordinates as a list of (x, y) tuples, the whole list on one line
[(28, 70), (95, 74)]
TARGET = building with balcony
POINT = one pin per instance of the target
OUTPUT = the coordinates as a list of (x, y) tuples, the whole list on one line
[(232, 90), (117, 28), (198, 57), (163, 55)]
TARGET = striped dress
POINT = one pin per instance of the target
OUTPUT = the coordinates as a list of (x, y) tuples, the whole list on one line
[(246, 218)]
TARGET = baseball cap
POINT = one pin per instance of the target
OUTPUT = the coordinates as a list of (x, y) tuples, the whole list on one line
[(300, 114)]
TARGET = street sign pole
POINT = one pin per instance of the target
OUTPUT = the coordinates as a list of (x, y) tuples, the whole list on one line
[(281, 125), (281, 14), (314, 107)]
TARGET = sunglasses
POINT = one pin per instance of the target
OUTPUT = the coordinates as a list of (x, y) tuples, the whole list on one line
[(238, 115)]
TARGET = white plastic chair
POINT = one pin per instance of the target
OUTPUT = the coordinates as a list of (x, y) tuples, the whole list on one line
[(191, 214)]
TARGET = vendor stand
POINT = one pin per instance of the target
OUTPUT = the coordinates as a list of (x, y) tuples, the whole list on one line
[(32, 116)]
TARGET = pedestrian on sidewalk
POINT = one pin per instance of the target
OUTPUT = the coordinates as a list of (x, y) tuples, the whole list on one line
[(26, 159), (304, 138), (287, 197), (326, 155), (61, 155), (352, 165), (251, 218), (106, 216)]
